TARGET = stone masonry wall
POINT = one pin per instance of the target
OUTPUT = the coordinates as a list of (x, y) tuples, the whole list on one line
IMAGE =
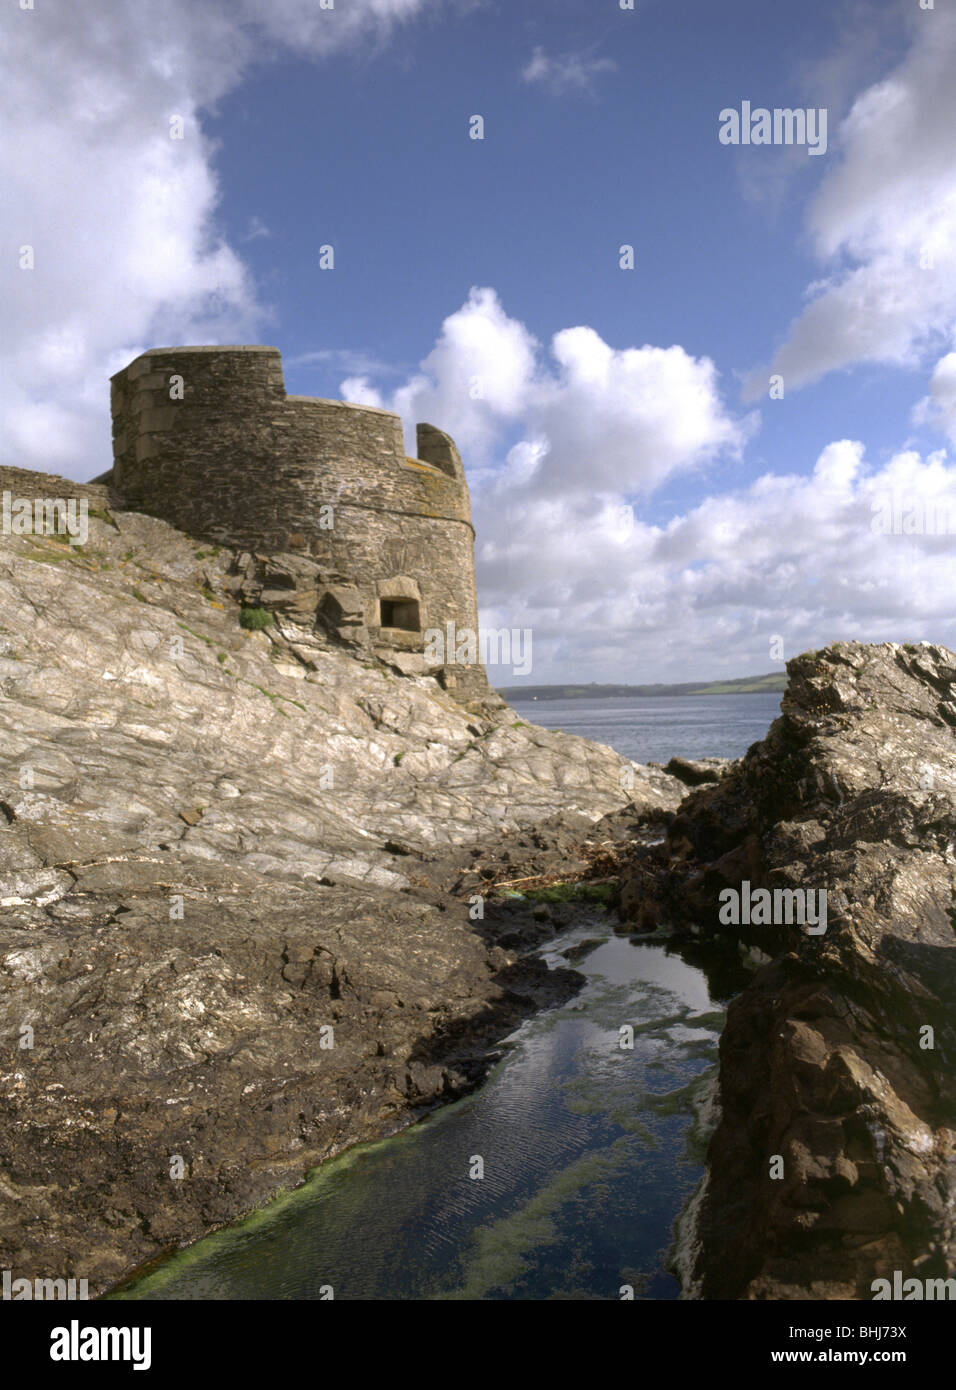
[(237, 461)]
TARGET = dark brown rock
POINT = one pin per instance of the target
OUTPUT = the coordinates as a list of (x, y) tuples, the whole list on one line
[(824, 1060)]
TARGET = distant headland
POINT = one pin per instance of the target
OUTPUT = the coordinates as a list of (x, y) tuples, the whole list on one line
[(742, 685)]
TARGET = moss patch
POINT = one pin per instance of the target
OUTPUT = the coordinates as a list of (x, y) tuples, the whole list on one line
[(571, 893)]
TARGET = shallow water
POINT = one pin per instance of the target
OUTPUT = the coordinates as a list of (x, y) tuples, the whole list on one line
[(589, 1152)]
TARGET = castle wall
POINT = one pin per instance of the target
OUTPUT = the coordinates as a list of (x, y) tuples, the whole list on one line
[(237, 461)]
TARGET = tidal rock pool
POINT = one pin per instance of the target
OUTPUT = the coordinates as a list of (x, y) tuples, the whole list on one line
[(561, 1178)]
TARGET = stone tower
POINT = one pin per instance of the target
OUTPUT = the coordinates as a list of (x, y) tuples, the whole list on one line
[(207, 439)]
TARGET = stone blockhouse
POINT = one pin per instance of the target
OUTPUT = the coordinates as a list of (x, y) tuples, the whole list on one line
[(207, 439)]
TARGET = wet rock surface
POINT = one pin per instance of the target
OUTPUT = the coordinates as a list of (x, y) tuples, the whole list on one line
[(238, 873), (838, 1062)]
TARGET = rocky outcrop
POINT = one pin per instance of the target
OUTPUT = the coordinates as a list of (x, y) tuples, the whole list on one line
[(834, 1159), (236, 880), (694, 772)]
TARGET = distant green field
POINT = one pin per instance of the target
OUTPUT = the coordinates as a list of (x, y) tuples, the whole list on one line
[(774, 682)]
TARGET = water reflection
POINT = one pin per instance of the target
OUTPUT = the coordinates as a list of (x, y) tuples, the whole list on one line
[(587, 1148)]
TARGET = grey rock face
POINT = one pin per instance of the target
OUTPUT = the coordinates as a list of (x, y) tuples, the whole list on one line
[(228, 940), (839, 1060)]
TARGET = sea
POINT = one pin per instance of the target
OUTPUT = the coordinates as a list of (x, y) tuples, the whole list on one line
[(653, 729)]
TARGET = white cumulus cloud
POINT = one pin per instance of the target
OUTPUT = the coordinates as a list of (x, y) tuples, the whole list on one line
[(883, 222), (120, 218), (939, 407), (571, 439), (848, 551), (591, 418)]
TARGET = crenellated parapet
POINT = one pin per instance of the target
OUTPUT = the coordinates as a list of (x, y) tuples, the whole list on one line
[(207, 439)]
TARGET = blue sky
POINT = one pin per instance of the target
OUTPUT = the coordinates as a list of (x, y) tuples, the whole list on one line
[(371, 155), (496, 261)]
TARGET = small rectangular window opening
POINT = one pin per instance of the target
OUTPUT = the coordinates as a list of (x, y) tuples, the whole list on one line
[(401, 613)]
